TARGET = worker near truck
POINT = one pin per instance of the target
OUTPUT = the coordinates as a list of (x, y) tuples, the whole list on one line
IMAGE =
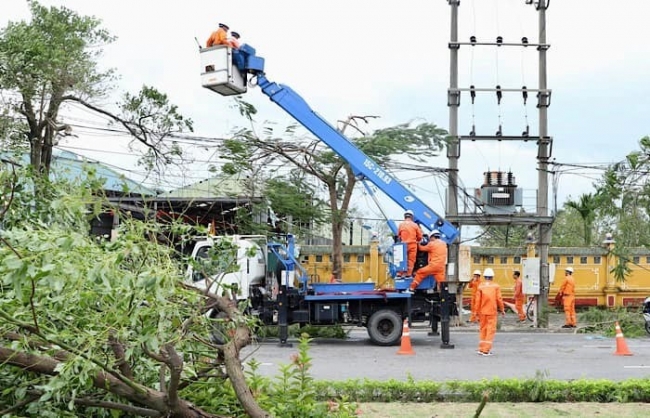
[(568, 294), (519, 296), (410, 234), (474, 283), (437, 256), (219, 37), (490, 302)]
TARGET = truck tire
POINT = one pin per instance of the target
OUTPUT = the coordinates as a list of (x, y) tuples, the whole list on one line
[(385, 327)]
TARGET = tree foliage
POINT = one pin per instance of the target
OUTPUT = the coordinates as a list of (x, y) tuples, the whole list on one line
[(313, 158), (94, 326), (53, 60)]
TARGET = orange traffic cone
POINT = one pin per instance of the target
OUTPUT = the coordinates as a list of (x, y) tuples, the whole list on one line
[(405, 347), (621, 345)]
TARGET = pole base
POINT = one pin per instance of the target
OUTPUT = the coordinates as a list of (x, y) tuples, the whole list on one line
[(447, 346)]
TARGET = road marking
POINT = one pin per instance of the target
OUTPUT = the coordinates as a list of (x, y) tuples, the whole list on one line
[(636, 367)]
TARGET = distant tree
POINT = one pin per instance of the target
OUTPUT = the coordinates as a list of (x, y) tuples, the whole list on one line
[(624, 198), (504, 236), (51, 61), (586, 207), (312, 157), (568, 228)]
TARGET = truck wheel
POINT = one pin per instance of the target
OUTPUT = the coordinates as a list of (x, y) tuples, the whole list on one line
[(385, 327)]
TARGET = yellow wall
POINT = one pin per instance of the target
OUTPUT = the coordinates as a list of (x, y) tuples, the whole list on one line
[(590, 271)]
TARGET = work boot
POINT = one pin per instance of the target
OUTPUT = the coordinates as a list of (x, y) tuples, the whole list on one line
[(567, 326)]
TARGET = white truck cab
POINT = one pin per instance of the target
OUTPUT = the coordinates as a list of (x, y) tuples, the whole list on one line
[(250, 269)]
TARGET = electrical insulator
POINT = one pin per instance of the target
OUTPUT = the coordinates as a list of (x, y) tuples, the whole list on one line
[(472, 39), (473, 131), (472, 93), (524, 93), (499, 94), (499, 40), (524, 41), (500, 131)]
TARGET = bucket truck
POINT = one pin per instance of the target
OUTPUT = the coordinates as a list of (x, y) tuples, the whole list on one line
[(228, 71)]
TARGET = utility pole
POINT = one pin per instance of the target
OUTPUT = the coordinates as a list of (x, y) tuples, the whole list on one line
[(543, 155), (453, 153), (541, 219)]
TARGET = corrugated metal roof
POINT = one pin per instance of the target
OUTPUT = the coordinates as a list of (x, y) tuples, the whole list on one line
[(71, 166), (219, 186)]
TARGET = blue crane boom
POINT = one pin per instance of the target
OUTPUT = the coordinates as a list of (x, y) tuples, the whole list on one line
[(364, 168)]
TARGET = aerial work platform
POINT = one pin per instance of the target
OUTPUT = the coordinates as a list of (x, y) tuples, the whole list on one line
[(218, 72)]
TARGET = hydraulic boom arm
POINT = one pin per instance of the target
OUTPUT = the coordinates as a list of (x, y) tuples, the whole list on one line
[(362, 165)]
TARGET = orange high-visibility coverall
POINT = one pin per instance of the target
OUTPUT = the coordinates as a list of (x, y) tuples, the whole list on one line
[(410, 233), (568, 292), (437, 257), (218, 37), (519, 299), (473, 285), (489, 300)]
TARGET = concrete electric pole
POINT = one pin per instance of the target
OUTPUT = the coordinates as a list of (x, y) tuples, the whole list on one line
[(541, 219)]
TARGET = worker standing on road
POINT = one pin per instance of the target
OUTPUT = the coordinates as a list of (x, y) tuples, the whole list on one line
[(568, 294), (233, 41), (490, 302), (219, 37), (519, 296), (409, 233), (473, 285), (437, 256)]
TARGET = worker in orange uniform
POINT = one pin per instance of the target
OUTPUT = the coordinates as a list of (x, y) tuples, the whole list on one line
[(473, 285), (233, 41), (437, 256), (490, 302), (219, 37), (409, 233), (519, 296), (568, 294)]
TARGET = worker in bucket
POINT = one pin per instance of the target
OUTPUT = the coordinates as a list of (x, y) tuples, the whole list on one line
[(437, 256), (410, 234), (219, 37), (490, 302), (233, 41)]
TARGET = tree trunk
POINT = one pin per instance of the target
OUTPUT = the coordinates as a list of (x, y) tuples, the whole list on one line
[(133, 392)]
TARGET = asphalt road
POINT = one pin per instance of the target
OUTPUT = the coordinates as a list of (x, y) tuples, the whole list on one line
[(518, 353)]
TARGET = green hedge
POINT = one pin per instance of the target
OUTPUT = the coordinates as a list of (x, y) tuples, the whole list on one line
[(499, 390)]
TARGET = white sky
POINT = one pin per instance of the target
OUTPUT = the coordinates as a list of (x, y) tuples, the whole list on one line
[(391, 59)]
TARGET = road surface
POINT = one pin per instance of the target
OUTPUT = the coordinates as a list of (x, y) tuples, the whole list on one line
[(518, 353)]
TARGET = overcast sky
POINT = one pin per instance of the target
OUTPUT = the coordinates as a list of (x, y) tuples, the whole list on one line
[(391, 59)]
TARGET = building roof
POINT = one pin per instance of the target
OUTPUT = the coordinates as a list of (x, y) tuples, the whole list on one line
[(216, 187), (71, 166)]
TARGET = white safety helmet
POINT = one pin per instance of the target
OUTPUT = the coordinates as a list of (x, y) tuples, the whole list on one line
[(488, 273), (436, 233), (476, 273), (569, 269), (409, 212)]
